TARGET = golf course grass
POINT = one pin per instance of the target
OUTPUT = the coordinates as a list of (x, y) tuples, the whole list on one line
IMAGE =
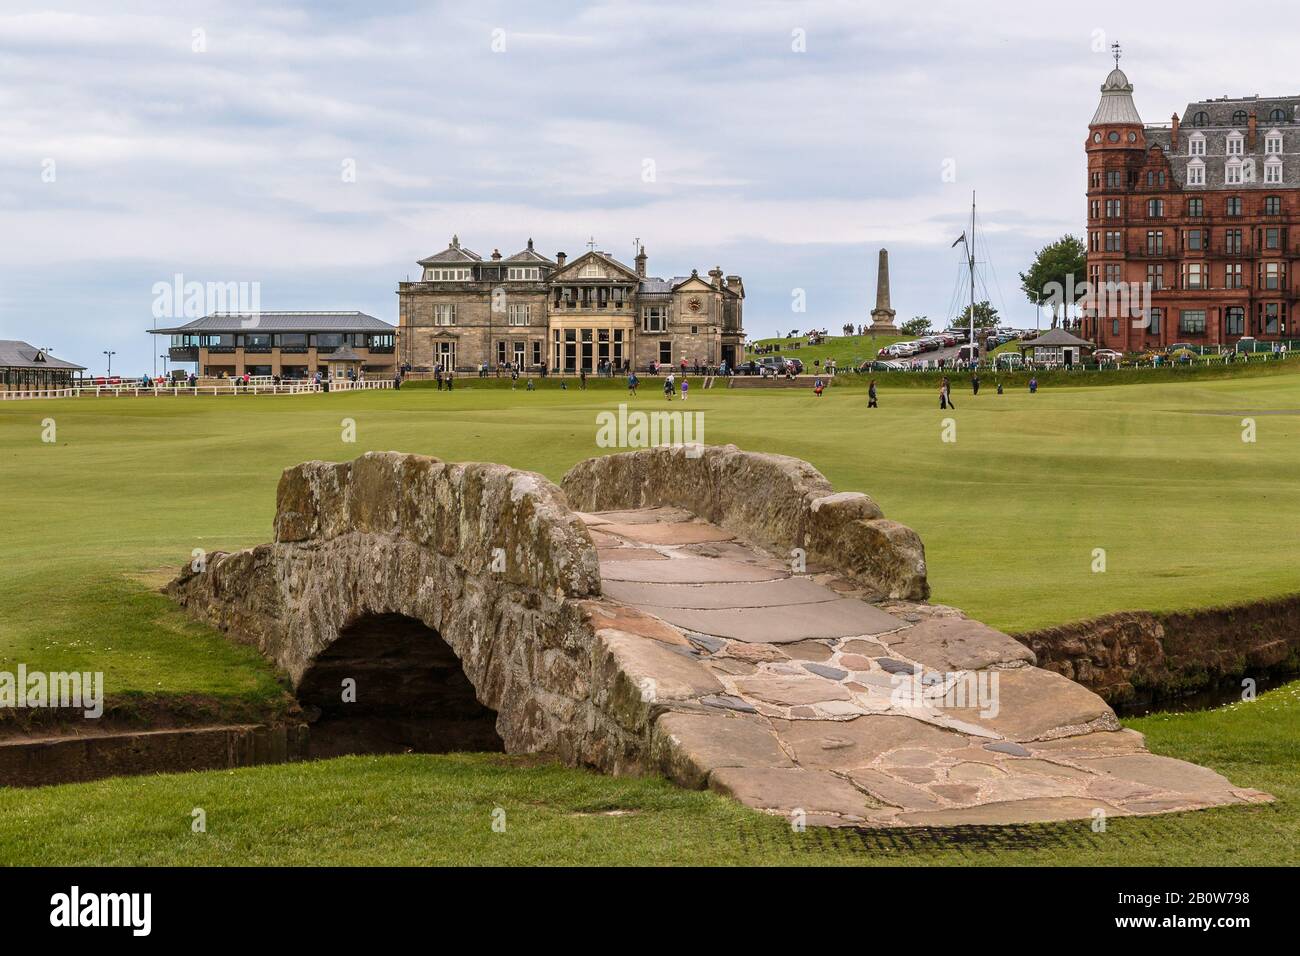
[(1012, 513)]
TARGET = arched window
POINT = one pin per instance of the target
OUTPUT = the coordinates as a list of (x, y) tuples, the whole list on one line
[(1239, 118), (1202, 118), (1277, 116)]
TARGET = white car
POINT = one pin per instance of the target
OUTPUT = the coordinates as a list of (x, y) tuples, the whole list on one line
[(1106, 355)]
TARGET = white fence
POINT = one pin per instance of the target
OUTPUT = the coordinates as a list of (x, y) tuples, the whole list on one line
[(127, 390)]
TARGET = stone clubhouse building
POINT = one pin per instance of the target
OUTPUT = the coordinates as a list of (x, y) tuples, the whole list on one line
[(1202, 210), (588, 314)]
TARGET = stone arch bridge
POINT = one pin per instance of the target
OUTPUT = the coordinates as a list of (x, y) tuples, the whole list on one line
[(726, 619)]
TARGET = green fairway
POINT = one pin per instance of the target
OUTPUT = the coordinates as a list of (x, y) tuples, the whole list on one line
[(1011, 512), (440, 810), (1188, 515)]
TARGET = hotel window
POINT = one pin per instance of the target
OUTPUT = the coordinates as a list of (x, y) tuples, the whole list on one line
[(1232, 242), (1273, 144), (1232, 275), (665, 353), (1196, 208), (1155, 243), (1234, 321), (654, 318), (1193, 276), (1094, 180), (1202, 118), (1196, 174), (1232, 174), (501, 353), (1114, 326), (1113, 179), (447, 275), (1277, 116), (1191, 320), (1239, 118), (1114, 241), (444, 315), (537, 352), (1196, 145), (1155, 177), (1272, 172), (1272, 205), (1094, 209), (1156, 277), (1094, 241), (1155, 208), (1114, 273), (523, 273), (1114, 208), (1236, 144), (1271, 276), (1232, 206), (1153, 321), (1271, 313), (517, 313), (1272, 238), (1194, 240)]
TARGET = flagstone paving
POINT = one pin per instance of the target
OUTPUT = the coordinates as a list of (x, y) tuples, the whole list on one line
[(798, 693)]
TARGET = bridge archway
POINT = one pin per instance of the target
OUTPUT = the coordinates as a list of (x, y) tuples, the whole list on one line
[(390, 684)]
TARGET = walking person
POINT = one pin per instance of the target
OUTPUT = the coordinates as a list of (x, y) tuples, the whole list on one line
[(582, 379), (685, 386), (975, 383), (437, 377), (632, 383), (945, 394), (668, 387), (871, 395)]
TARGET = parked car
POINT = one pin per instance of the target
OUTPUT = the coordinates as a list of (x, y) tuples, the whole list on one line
[(1107, 355)]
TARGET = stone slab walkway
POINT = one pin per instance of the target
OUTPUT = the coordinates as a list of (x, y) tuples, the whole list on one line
[(797, 693)]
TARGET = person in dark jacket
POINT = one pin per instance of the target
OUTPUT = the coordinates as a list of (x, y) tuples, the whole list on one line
[(871, 395)]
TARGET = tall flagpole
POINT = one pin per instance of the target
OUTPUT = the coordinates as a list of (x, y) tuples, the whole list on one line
[(970, 252)]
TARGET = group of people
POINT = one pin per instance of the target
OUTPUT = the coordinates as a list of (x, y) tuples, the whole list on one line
[(945, 390)]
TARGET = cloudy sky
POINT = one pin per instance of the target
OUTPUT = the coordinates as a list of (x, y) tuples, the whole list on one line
[(786, 142)]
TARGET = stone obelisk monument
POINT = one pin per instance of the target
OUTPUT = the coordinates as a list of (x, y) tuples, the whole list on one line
[(882, 316)]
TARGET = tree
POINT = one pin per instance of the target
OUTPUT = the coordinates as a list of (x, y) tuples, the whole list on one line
[(985, 316), (1057, 270), (917, 325)]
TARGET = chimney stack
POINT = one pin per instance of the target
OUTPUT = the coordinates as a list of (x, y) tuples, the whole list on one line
[(716, 275), (559, 259), (640, 263), (1173, 136), (1250, 132)]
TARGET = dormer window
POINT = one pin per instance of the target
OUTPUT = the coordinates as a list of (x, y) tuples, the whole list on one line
[(1273, 143), (1273, 170), (1196, 173), (447, 275), (1202, 118), (1239, 118), (1236, 144), (1232, 173), (1196, 144), (523, 273), (1277, 116)]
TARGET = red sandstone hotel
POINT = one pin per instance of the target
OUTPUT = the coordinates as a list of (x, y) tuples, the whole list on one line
[(1201, 209)]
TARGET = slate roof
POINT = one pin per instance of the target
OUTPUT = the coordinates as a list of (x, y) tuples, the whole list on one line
[(454, 254), (530, 256), (1055, 337), (283, 322), (15, 354), (344, 354), (1219, 126)]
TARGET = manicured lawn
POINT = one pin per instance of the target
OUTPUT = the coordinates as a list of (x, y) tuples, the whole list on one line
[(1011, 512), (847, 350), (439, 810), (1188, 514)]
